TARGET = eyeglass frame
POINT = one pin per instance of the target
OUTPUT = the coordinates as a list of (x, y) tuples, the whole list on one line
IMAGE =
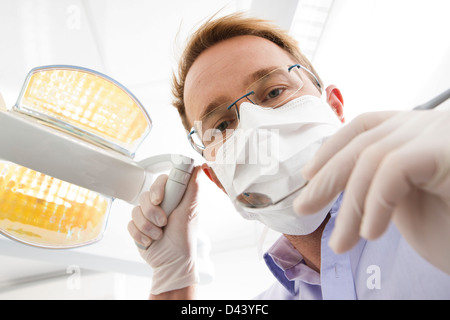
[(201, 149)]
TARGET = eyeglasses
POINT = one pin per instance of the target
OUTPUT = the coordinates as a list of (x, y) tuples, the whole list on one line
[(270, 91)]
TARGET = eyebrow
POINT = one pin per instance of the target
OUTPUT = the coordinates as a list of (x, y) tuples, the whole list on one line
[(211, 107), (255, 76), (252, 78)]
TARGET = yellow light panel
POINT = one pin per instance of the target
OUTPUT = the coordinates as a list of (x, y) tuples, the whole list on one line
[(44, 211), (89, 102)]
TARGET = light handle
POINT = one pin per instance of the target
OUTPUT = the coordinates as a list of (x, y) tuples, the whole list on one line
[(181, 168)]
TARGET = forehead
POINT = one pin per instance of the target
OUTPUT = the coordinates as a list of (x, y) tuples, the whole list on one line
[(222, 70)]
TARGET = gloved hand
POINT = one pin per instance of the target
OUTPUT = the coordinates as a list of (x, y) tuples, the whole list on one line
[(171, 243), (392, 165)]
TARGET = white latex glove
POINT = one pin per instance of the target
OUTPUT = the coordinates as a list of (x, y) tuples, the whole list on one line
[(392, 165), (172, 252)]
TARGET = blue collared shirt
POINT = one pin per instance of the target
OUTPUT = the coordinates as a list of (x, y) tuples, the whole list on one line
[(387, 268)]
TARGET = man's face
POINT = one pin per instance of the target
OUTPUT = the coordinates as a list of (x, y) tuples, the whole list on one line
[(225, 71)]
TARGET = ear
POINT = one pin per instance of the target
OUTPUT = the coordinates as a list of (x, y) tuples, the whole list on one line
[(336, 101), (212, 176)]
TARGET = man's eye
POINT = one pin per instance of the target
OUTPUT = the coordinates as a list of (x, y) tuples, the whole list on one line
[(223, 126), (274, 93)]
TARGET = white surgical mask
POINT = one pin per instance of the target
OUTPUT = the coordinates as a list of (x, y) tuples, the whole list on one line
[(265, 155)]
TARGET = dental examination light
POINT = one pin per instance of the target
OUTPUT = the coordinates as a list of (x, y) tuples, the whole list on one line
[(66, 152)]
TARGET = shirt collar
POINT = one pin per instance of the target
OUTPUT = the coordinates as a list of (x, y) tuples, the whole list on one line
[(288, 265)]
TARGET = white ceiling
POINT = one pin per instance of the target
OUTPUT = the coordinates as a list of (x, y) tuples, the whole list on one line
[(382, 54)]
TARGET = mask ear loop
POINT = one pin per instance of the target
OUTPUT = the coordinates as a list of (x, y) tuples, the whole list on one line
[(260, 242), (324, 96)]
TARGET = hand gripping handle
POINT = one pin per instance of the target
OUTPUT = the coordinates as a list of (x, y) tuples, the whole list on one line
[(179, 176), (181, 168)]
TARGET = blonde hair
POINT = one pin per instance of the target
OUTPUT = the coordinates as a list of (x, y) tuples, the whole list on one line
[(214, 31)]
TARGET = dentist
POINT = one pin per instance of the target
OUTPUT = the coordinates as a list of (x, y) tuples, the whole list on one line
[(244, 91)]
